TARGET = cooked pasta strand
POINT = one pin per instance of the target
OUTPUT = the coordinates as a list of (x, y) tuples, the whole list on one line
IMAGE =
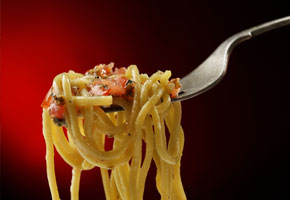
[(74, 104)]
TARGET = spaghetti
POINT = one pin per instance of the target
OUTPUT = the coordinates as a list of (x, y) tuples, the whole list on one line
[(74, 103)]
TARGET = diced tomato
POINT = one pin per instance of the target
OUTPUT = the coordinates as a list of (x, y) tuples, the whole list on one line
[(109, 69), (174, 93), (111, 86), (55, 108), (99, 90), (119, 86), (121, 81), (116, 90), (121, 70), (104, 82), (100, 87), (177, 84), (103, 71), (56, 111), (47, 100)]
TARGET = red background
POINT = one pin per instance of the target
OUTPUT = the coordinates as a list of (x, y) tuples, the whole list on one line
[(236, 134)]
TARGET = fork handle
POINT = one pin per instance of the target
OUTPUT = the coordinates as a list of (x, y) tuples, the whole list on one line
[(247, 34), (268, 26)]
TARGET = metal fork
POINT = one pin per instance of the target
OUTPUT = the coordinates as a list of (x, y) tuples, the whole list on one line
[(214, 68)]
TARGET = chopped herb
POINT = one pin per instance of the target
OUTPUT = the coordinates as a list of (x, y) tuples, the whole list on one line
[(129, 82), (59, 122)]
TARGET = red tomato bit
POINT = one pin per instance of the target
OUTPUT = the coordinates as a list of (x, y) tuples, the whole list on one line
[(55, 106), (177, 84)]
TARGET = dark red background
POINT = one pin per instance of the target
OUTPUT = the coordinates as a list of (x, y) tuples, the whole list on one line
[(236, 134)]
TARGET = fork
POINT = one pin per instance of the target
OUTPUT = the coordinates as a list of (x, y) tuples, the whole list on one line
[(213, 69)]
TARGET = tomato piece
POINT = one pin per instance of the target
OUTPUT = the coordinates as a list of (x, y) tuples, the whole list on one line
[(119, 86), (104, 71), (122, 80), (174, 93), (47, 100), (99, 90), (109, 86), (108, 69), (177, 84), (56, 111), (100, 87), (116, 90), (103, 82), (121, 71)]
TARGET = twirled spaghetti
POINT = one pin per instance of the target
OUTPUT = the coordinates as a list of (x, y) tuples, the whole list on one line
[(75, 102)]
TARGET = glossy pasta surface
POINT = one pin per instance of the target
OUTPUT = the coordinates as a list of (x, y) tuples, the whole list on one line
[(75, 102)]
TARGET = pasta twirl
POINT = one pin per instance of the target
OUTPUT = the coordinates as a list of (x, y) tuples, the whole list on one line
[(75, 102)]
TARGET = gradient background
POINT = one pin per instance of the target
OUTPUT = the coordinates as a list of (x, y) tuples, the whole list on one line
[(237, 134)]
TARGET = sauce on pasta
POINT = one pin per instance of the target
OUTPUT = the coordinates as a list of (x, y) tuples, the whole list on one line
[(75, 102)]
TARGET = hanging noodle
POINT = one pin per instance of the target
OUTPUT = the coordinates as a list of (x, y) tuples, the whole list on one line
[(75, 102)]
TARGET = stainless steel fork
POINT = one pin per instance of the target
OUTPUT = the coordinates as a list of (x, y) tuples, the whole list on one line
[(214, 68)]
